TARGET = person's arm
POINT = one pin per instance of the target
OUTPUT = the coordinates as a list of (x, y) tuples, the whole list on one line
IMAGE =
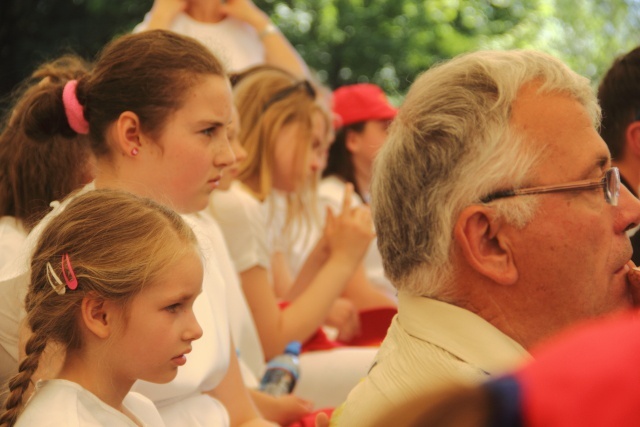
[(163, 12), (279, 52), (283, 410), (348, 241), (321, 251), (363, 294), (299, 320), (344, 317), (281, 276), (312, 264), (234, 395)]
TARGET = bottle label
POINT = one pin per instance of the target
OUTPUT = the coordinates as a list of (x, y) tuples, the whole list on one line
[(277, 382)]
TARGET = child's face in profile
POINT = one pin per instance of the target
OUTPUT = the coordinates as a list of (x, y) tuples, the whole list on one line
[(185, 164), (159, 324), (288, 171), (233, 133)]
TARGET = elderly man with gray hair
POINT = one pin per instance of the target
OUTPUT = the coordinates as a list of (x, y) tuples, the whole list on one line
[(500, 221)]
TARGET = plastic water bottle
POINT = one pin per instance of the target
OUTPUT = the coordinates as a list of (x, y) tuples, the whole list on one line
[(282, 371)]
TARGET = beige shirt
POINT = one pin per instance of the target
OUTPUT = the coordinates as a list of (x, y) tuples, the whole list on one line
[(429, 344)]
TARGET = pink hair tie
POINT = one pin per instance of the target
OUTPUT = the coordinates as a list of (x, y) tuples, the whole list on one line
[(73, 109)]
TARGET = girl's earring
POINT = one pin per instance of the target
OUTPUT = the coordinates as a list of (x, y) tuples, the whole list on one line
[(134, 151)]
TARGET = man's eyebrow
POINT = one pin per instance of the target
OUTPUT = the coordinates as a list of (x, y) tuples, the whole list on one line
[(601, 164), (604, 162)]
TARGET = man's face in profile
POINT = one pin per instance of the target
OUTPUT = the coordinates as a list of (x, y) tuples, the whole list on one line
[(572, 255)]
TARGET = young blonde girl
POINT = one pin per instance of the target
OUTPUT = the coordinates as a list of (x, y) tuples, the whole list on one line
[(118, 298), (283, 131)]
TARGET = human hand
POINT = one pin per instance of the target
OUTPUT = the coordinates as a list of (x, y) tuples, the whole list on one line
[(633, 278), (290, 408), (168, 8), (246, 11), (322, 420), (259, 422), (343, 315), (349, 233)]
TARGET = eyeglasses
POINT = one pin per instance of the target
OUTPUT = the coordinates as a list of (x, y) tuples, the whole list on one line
[(610, 185), (279, 96)]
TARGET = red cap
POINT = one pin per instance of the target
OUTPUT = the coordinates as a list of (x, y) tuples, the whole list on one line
[(588, 376), (361, 102)]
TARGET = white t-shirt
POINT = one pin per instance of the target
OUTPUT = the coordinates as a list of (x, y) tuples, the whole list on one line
[(58, 403), (244, 223), (234, 42), (326, 377), (12, 236), (243, 328), (180, 401), (330, 194)]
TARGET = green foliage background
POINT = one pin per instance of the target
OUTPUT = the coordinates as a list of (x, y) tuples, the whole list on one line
[(387, 42)]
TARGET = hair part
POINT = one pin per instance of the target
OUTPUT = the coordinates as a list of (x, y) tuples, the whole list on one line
[(451, 144), (118, 243)]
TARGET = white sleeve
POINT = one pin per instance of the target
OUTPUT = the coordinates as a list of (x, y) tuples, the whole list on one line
[(243, 222)]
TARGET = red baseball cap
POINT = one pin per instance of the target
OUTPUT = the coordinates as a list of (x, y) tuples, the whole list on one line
[(587, 376), (360, 103)]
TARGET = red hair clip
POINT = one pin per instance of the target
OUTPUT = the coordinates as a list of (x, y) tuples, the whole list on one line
[(72, 283)]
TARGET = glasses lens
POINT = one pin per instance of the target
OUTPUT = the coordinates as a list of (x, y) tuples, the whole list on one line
[(612, 186)]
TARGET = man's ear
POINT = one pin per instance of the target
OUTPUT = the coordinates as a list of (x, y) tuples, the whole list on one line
[(484, 245), (98, 315), (633, 138), (128, 133)]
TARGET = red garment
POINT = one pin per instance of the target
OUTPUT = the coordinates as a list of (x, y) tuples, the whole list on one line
[(374, 324), (310, 420), (373, 328), (587, 376)]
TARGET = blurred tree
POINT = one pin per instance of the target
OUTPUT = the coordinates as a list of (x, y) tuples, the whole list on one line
[(587, 35), (387, 42), (390, 42), (33, 31)]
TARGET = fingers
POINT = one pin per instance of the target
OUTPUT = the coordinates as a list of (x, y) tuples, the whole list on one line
[(633, 277), (346, 201), (362, 216), (330, 218), (305, 404), (351, 328), (322, 420)]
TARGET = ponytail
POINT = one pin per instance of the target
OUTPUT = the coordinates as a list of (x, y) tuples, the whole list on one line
[(19, 384)]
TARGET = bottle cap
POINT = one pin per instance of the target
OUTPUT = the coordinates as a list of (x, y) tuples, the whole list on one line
[(293, 348)]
